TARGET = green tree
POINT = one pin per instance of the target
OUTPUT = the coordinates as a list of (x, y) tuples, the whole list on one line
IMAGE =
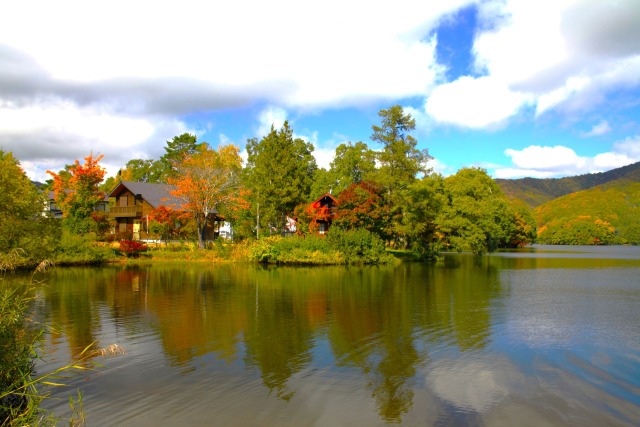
[(279, 173), (352, 164), (425, 200), (400, 159), (20, 202), (524, 229), (477, 216), (400, 162), (176, 151), (323, 182), (139, 170)]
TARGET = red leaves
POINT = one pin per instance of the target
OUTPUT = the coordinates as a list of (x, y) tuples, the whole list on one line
[(132, 248)]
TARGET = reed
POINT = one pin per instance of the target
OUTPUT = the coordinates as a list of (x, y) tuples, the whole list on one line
[(21, 389)]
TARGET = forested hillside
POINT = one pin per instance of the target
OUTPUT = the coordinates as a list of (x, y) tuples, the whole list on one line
[(535, 191), (605, 214)]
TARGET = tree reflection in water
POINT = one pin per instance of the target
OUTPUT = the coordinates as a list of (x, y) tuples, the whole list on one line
[(378, 321)]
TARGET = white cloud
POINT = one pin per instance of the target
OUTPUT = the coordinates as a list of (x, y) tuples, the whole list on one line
[(548, 158), (629, 146), (473, 102), (552, 54), (268, 117), (324, 157), (439, 167), (50, 135), (126, 72), (550, 162), (81, 77), (286, 52), (598, 129)]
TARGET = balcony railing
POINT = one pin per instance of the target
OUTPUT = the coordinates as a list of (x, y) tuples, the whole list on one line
[(125, 211)]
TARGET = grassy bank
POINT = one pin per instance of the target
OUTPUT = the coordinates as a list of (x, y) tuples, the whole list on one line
[(354, 247), (338, 248)]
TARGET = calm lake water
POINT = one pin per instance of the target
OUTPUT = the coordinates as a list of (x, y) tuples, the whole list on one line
[(543, 336)]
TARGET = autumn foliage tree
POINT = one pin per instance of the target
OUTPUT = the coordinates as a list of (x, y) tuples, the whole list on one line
[(167, 222), (362, 205), (77, 192), (208, 183)]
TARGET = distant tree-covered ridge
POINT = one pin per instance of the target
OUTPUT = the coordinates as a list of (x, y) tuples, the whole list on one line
[(536, 191), (605, 214)]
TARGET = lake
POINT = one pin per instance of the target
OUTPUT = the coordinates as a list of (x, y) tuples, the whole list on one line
[(541, 336)]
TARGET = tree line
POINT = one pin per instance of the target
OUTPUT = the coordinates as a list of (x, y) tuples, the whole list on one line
[(388, 190)]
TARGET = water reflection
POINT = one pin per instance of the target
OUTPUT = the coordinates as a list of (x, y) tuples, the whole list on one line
[(417, 342)]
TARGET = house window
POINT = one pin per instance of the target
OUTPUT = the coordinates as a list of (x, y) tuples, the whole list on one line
[(323, 228), (124, 201)]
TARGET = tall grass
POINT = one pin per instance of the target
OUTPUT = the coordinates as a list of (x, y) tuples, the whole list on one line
[(21, 389)]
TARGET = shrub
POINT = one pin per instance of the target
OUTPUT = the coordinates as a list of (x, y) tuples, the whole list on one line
[(79, 249), (132, 248), (359, 246), (340, 247)]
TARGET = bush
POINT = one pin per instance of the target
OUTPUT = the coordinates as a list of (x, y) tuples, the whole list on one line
[(79, 249), (132, 248), (359, 246), (340, 247)]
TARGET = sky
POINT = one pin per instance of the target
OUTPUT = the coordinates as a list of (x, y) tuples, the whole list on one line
[(543, 89)]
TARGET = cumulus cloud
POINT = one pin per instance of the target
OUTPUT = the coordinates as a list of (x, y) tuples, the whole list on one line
[(124, 83), (473, 102), (127, 75), (283, 52), (550, 54), (51, 135), (549, 162)]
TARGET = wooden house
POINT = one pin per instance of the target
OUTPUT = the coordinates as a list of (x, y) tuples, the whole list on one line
[(322, 212), (133, 202)]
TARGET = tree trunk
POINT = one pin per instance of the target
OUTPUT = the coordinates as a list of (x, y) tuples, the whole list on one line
[(202, 231)]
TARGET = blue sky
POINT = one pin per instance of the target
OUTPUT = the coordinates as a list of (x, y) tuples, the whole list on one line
[(541, 89)]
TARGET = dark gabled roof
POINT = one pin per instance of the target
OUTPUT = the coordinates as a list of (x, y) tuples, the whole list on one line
[(154, 194), (329, 195)]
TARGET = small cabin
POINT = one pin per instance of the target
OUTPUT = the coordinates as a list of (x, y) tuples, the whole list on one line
[(322, 211)]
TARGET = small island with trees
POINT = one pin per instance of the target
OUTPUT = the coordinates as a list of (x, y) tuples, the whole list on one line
[(379, 201)]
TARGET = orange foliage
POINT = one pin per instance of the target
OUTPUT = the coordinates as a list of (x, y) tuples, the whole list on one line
[(76, 190), (207, 182)]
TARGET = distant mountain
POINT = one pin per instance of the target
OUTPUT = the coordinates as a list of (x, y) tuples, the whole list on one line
[(536, 191)]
